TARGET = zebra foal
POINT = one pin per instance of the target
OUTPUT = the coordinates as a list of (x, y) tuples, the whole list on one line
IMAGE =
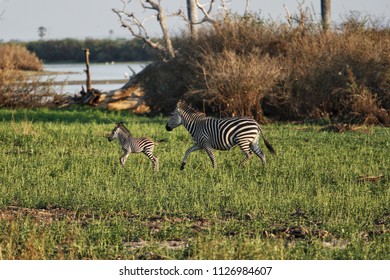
[(218, 133), (133, 145)]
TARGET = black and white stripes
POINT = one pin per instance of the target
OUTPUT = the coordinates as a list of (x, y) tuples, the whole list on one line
[(208, 134), (219, 134), (133, 145)]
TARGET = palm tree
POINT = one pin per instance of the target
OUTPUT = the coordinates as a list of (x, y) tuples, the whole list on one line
[(42, 32)]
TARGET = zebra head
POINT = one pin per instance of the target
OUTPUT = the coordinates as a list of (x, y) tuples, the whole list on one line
[(115, 131), (175, 119)]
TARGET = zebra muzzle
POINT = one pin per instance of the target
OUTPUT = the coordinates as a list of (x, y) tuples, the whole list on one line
[(167, 127)]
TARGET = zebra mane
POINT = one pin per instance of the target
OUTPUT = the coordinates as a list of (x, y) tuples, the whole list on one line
[(124, 129), (188, 109)]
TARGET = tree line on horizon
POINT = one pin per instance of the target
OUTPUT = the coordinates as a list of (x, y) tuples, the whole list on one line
[(102, 50)]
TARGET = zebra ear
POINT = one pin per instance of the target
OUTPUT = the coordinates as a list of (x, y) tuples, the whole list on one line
[(180, 104)]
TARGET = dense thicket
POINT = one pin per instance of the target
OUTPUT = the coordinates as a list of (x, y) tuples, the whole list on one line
[(104, 50), (245, 66)]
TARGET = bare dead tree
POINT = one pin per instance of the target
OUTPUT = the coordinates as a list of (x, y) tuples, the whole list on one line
[(325, 14), (192, 11), (87, 72), (305, 18), (152, 5), (193, 6), (206, 12), (247, 7), (302, 20), (288, 16), (138, 30)]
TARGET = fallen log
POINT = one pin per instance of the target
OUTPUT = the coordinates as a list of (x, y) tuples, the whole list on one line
[(129, 97)]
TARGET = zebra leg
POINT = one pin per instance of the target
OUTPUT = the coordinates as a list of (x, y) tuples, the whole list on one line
[(155, 163), (211, 156), (188, 152), (247, 151), (255, 148), (124, 158), (153, 158)]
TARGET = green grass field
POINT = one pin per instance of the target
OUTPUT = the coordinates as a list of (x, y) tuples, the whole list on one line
[(64, 195)]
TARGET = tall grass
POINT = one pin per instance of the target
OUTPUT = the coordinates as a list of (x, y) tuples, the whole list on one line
[(63, 194)]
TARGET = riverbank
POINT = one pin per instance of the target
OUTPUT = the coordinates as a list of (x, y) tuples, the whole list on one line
[(69, 77)]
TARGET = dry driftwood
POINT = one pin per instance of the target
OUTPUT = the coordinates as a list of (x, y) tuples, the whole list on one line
[(128, 97)]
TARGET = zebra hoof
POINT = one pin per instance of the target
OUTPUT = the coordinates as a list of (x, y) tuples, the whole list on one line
[(182, 166)]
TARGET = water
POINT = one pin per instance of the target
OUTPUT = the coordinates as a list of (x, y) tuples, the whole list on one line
[(104, 76)]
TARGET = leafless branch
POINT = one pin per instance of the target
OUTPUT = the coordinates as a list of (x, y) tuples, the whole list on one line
[(299, 19), (205, 12), (132, 71), (224, 5), (2, 13), (289, 18), (138, 30), (247, 7)]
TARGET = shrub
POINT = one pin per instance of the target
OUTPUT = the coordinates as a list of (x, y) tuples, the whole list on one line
[(164, 84), (212, 72), (232, 87), (328, 71), (18, 90), (246, 66), (16, 57), (21, 89)]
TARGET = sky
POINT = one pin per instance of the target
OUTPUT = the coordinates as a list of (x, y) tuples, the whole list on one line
[(80, 19)]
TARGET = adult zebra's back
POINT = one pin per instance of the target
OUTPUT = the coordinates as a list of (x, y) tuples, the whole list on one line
[(218, 134)]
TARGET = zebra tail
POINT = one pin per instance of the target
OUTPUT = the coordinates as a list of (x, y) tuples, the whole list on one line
[(267, 144)]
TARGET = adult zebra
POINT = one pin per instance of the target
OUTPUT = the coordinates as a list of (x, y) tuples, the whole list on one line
[(218, 133), (133, 145)]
